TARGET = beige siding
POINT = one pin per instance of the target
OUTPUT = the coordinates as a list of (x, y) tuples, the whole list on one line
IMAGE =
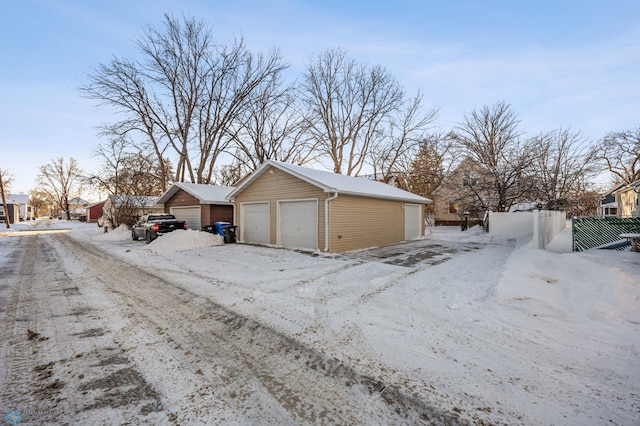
[(364, 222), (627, 200), (281, 186)]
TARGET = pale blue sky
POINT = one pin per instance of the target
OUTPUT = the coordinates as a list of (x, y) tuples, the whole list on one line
[(558, 63)]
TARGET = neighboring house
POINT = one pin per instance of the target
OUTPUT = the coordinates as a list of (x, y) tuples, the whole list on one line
[(608, 203), (454, 196), (77, 207), (127, 208), (19, 207), (94, 211), (296, 207), (12, 215), (627, 198), (198, 204)]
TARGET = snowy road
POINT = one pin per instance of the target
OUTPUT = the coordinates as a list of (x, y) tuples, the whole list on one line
[(86, 337)]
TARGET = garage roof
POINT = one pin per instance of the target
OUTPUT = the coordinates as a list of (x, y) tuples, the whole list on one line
[(335, 183), (17, 198), (206, 194)]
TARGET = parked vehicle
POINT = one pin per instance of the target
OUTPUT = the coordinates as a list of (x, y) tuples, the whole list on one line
[(150, 226)]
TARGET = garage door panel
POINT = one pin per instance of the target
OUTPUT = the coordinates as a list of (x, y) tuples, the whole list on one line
[(255, 223), (191, 215), (412, 221), (298, 224)]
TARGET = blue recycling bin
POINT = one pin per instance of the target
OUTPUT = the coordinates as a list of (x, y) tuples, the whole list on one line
[(219, 227), (226, 230)]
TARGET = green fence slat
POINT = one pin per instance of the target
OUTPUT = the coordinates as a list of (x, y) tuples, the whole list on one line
[(590, 232)]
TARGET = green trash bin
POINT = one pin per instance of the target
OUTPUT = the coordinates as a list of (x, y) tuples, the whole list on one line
[(229, 233)]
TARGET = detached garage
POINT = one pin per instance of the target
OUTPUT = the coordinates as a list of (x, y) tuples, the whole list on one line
[(198, 204), (296, 207)]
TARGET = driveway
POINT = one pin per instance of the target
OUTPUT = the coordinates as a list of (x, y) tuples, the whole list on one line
[(418, 254)]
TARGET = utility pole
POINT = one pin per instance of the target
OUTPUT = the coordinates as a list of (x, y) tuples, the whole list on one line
[(4, 199)]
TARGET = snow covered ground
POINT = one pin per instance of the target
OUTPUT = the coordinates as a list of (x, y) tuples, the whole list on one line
[(486, 327)]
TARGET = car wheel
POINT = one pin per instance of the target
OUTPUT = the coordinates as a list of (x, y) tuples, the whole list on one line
[(147, 237), (134, 237)]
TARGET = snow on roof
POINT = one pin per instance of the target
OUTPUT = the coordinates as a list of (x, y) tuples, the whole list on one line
[(18, 198), (133, 200), (333, 182), (207, 194), (625, 188), (78, 200)]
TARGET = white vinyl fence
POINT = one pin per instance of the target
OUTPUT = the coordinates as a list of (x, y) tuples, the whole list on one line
[(546, 225), (543, 225)]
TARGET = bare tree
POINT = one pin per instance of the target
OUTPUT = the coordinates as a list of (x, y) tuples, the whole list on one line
[(38, 199), (5, 182), (620, 152), (348, 104), (272, 128), (229, 174), (406, 132), (62, 181), (562, 167), (128, 170), (129, 176), (183, 95), (491, 138)]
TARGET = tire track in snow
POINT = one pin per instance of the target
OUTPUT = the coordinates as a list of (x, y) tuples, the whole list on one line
[(289, 380)]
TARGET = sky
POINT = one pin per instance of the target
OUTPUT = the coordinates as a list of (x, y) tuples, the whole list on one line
[(569, 64)]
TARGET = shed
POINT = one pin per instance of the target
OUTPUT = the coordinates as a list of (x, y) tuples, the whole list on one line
[(297, 207), (94, 211), (12, 215), (198, 204), (21, 202)]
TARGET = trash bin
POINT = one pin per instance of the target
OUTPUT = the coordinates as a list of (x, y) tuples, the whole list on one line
[(219, 226), (229, 234), (209, 228)]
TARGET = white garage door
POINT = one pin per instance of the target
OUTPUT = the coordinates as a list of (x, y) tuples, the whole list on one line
[(191, 215), (255, 223), (412, 221), (298, 224)]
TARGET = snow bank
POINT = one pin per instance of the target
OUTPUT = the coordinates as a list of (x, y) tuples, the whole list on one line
[(119, 234), (184, 240)]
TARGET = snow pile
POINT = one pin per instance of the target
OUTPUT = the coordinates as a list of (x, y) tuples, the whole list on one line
[(184, 240), (121, 233), (592, 295)]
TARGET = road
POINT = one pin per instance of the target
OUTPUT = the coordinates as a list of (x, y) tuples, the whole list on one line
[(90, 339)]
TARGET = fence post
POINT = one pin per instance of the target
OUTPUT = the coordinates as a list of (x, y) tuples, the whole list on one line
[(536, 229)]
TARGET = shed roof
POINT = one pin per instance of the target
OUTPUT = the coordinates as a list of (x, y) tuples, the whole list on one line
[(205, 193), (140, 201), (335, 183), (17, 198)]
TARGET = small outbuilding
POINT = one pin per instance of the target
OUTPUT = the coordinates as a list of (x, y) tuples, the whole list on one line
[(292, 206), (198, 204), (94, 212)]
